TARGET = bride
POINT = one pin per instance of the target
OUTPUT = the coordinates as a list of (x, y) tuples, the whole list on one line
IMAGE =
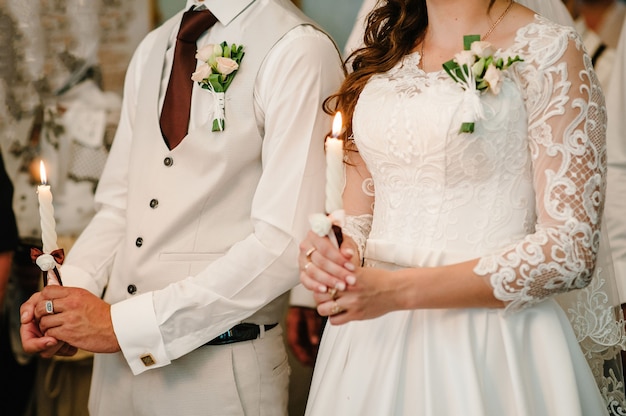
[(470, 206)]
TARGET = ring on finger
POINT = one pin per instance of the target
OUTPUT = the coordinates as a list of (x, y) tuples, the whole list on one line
[(49, 307), (309, 252), (336, 309), (333, 293)]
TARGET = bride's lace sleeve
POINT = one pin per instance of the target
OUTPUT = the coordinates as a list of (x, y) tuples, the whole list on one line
[(566, 134), (358, 200)]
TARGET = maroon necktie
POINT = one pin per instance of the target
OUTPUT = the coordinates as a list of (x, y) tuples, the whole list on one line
[(175, 112)]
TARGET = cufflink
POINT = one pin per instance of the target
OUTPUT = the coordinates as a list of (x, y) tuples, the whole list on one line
[(148, 360)]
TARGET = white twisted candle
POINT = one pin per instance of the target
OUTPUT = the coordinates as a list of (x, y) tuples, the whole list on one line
[(335, 176), (46, 213)]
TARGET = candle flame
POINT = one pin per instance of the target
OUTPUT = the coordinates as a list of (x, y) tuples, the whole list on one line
[(337, 124), (42, 173)]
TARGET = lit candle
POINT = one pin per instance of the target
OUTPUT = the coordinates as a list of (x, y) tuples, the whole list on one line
[(46, 213), (335, 176)]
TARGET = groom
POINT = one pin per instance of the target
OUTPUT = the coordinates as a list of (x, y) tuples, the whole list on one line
[(195, 242)]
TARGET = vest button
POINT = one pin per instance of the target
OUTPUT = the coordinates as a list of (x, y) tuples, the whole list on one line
[(168, 161), (139, 242), (154, 203), (132, 289)]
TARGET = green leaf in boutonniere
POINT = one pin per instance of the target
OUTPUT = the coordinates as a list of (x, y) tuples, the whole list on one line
[(220, 64), (477, 70)]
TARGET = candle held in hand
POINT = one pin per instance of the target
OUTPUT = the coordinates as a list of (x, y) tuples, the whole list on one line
[(51, 255), (46, 213), (335, 176)]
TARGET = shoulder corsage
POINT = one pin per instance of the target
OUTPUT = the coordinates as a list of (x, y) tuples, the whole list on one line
[(219, 67), (477, 70)]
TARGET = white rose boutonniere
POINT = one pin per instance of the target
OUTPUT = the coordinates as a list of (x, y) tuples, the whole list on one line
[(219, 65), (477, 69)]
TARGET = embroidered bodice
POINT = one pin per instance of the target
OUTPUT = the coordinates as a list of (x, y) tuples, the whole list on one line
[(524, 192)]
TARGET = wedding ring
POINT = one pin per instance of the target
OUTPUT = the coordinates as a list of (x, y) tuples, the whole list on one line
[(333, 293), (336, 309), (309, 252), (49, 307), (306, 266)]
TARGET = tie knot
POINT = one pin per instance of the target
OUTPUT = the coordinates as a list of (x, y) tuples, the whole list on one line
[(194, 24)]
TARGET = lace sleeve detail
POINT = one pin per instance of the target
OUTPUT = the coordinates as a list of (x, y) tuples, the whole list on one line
[(566, 135), (358, 227)]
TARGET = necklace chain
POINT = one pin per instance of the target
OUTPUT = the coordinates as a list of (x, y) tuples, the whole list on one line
[(498, 20), (493, 26)]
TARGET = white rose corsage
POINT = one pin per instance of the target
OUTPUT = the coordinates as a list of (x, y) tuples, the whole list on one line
[(477, 69), (220, 64)]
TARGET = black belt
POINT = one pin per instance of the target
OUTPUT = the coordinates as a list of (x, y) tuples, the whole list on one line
[(240, 332)]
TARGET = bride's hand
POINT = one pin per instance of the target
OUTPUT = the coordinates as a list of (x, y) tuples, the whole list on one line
[(324, 267), (375, 293)]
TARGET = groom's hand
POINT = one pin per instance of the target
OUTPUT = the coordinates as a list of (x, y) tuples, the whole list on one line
[(33, 339), (77, 317)]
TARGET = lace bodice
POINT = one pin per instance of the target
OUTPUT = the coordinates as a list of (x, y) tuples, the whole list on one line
[(524, 192)]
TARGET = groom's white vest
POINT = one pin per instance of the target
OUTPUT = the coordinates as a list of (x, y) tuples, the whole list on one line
[(204, 186)]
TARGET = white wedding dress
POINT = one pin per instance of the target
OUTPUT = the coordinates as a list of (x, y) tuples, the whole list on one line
[(517, 193)]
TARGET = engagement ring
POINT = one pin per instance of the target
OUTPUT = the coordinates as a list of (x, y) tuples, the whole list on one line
[(333, 293)]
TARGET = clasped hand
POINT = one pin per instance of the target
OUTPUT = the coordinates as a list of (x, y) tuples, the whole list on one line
[(59, 320), (343, 290)]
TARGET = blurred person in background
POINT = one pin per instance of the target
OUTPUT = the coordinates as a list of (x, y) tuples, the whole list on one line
[(600, 23), (17, 378)]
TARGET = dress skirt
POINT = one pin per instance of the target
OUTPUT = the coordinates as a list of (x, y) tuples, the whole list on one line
[(476, 362)]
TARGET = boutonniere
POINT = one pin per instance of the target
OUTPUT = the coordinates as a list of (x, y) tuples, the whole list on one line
[(478, 70), (218, 69)]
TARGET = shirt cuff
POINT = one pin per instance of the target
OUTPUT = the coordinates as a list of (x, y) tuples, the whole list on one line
[(139, 338)]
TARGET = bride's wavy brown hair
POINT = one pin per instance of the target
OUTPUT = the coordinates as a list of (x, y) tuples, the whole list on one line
[(392, 31)]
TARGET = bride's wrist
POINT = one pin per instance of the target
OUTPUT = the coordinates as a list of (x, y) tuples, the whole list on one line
[(405, 288)]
